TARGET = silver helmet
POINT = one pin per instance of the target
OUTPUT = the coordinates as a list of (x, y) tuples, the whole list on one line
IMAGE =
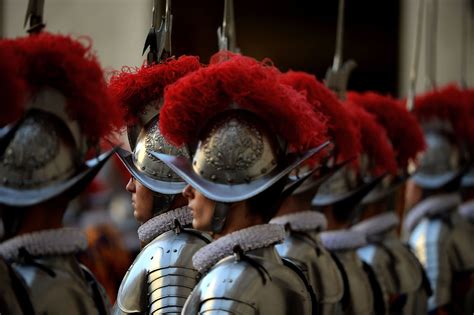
[(235, 115), (51, 147)]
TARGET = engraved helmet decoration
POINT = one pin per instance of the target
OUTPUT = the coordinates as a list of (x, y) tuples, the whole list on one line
[(347, 185), (140, 93), (445, 119), (237, 117), (404, 133), (50, 140)]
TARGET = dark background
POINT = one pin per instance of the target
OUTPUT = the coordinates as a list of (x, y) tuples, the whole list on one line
[(299, 35)]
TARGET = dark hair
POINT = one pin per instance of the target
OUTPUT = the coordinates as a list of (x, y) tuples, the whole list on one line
[(267, 203)]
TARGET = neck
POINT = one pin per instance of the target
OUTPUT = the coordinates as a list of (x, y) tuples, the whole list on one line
[(43, 216), (294, 204), (239, 218)]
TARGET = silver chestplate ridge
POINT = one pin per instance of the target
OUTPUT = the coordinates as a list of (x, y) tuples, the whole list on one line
[(397, 271), (237, 287), (306, 250), (162, 276), (444, 247), (66, 293), (361, 300)]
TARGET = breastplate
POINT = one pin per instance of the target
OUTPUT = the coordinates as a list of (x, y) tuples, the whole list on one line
[(162, 276)]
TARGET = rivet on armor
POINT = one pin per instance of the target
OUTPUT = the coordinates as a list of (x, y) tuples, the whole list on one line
[(195, 163), (143, 167), (175, 250), (169, 175), (213, 177), (230, 180)]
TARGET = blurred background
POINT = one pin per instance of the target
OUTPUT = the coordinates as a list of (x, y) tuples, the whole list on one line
[(298, 35)]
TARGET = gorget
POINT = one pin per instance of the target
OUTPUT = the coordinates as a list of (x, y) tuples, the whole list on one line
[(61, 241), (164, 223), (466, 210), (375, 227), (431, 206), (340, 240), (251, 238), (302, 221)]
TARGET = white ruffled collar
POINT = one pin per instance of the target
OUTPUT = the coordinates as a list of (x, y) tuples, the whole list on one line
[(251, 238), (340, 240), (302, 221), (431, 206), (62, 241), (378, 225), (466, 210), (164, 223)]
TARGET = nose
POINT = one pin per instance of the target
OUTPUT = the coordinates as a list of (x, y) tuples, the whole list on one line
[(131, 186), (188, 192)]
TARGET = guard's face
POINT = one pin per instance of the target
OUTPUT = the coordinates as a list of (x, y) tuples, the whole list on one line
[(413, 194), (142, 200), (201, 207)]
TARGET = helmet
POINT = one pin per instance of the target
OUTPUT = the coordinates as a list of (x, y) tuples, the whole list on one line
[(236, 115), (403, 131), (50, 145), (445, 120), (140, 92)]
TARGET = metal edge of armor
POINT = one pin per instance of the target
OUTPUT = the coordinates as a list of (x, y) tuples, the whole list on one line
[(241, 287), (162, 275)]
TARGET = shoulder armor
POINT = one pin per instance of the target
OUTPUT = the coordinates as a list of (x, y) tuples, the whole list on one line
[(360, 300), (14, 297), (317, 264), (264, 286), (395, 267), (98, 293), (162, 276), (430, 241), (56, 284)]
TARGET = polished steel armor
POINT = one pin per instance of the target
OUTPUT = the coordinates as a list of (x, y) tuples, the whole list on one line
[(443, 244), (398, 272), (265, 286), (162, 276), (305, 249), (58, 285)]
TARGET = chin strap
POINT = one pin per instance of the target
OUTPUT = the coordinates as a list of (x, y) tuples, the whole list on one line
[(220, 216)]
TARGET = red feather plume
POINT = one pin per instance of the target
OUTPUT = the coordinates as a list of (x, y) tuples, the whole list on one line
[(342, 129), (253, 85), (12, 85), (375, 142), (136, 88), (445, 104), (69, 66), (403, 130)]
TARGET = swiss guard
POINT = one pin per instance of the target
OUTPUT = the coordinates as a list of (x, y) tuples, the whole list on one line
[(247, 132), (162, 276)]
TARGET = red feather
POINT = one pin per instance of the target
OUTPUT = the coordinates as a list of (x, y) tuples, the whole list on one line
[(253, 85), (12, 85), (445, 104), (375, 142), (342, 129), (69, 66), (403, 130), (136, 88)]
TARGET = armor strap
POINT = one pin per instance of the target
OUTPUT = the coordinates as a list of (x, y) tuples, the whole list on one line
[(163, 223), (379, 305), (302, 221), (254, 237), (62, 241), (98, 294), (293, 266), (431, 206)]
